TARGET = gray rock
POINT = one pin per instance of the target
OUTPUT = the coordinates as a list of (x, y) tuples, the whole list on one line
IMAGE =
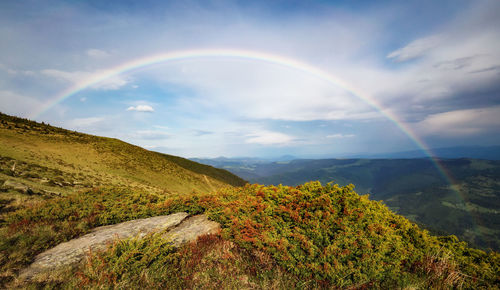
[(180, 229), (191, 228), (51, 193), (10, 184)]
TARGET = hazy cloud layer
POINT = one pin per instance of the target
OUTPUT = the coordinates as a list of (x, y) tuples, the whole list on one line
[(462, 123), (340, 136), (141, 108), (269, 138)]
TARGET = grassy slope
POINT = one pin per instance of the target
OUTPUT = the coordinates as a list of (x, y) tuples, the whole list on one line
[(47, 155)]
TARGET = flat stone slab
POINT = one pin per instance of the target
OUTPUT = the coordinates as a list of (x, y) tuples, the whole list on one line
[(72, 252), (22, 188), (190, 229)]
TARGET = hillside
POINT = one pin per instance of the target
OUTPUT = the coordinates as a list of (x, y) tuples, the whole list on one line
[(50, 159), (411, 187)]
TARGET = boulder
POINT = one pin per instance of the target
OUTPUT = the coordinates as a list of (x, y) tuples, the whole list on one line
[(10, 184), (190, 229), (179, 229)]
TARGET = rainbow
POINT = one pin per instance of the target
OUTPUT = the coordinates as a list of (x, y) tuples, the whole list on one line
[(297, 65), (294, 64)]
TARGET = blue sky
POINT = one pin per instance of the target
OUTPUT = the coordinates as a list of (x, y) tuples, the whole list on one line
[(435, 65)]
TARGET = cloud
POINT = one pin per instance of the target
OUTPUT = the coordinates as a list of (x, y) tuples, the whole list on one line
[(495, 68), (414, 49), (457, 68), (151, 135), (340, 136), (141, 108), (65, 75), (97, 53), (202, 132), (28, 73), (257, 90), (269, 138), (112, 83), (461, 123), (18, 104), (85, 123)]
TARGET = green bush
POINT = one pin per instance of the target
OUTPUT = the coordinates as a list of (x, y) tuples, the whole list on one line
[(327, 235)]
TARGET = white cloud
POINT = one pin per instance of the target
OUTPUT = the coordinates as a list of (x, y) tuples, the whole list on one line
[(112, 83), (269, 138), (141, 108), (414, 49), (461, 123), (258, 90), (85, 123), (20, 72), (18, 104), (151, 135), (97, 53), (64, 75), (149, 147), (340, 136)]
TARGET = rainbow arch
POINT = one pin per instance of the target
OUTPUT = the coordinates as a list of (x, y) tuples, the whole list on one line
[(294, 64)]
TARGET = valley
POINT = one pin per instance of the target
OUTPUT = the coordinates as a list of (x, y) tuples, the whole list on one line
[(415, 188)]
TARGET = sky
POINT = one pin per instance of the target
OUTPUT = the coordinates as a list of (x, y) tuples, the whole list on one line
[(401, 74)]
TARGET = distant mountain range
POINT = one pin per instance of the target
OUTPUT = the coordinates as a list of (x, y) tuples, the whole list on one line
[(415, 188), (477, 152)]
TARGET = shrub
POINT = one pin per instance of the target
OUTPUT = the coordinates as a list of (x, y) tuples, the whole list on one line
[(325, 236)]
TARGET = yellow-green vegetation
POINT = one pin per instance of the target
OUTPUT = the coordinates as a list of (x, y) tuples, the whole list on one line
[(209, 263), (53, 161), (414, 188), (318, 236)]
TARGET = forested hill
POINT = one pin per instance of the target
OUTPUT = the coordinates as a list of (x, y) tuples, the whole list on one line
[(414, 188)]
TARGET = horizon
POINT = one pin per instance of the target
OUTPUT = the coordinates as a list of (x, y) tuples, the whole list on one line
[(381, 155), (258, 79)]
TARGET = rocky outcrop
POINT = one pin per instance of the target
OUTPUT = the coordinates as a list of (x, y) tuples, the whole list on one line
[(179, 229), (190, 229), (10, 184)]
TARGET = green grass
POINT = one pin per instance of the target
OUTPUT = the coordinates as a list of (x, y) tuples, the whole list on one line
[(208, 263)]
